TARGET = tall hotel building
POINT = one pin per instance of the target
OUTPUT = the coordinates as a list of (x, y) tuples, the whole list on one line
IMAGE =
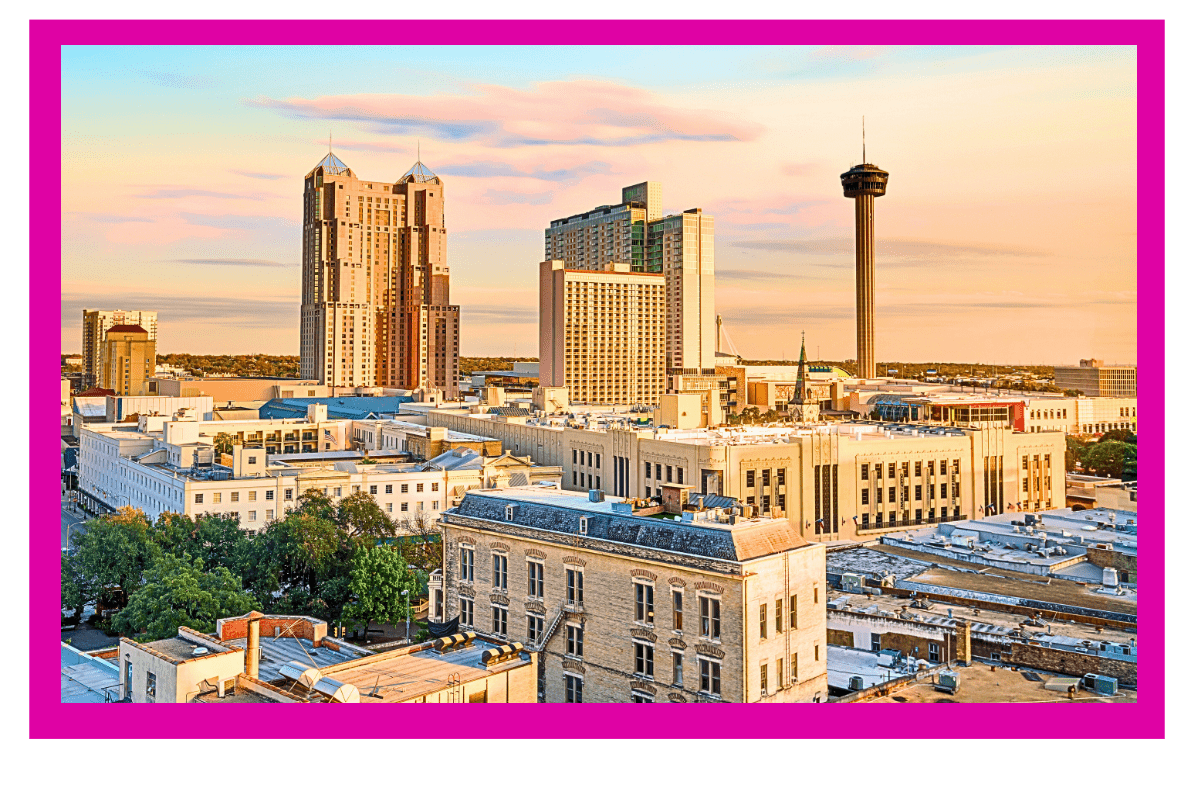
[(375, 303), (601, 333), (679, 247), (97, 323)]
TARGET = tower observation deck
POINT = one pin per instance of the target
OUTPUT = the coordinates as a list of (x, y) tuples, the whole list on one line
[(864, 183)]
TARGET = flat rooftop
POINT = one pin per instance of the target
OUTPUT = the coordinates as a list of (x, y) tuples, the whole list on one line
[(979, 684), (408, 675), (177, 648), (278, 651)]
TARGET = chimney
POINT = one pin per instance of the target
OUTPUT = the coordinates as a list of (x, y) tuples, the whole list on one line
[(252, 644), (962, 642)]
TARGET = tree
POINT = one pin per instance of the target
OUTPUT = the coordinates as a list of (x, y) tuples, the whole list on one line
[(361, 518), (1119, 435), (1076, 449), (111, 554), (73, 591), (1112, 459), (379, 576), (179, 592), (224, 442), (421, 544), (215, 538)]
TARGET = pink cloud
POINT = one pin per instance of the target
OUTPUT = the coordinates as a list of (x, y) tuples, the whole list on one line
[(851, 53), (579, 112)]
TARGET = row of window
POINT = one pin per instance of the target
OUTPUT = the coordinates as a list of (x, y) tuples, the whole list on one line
[(918, 493), (865, 470), (791, 615)]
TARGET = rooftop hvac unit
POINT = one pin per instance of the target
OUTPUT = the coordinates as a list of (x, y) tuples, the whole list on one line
[(1106, 685), (947, 681), (306, 676), (856, 683)]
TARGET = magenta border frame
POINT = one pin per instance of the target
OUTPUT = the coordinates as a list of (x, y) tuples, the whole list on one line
[(1145, 719)]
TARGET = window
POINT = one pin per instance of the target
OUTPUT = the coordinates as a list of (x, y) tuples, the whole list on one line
[(762, 677), (388, 508), (778, 674), (658, 472), (583, 521), (643, 658), (574, 587), (944, 488), (865, 472), (420, 487), (892, 470), (537, 585), (500, 571), (387, 489), (879, 495), (710, 617), (866, 496), (792, 609), (779, 616), (199, 498), (779, 473), (710, 676), (253, 496), (749, 479), (434, 505), (233, 496), (500, 620), (466, 563), (404, 506), (875, 643), (816, 652), (287, 494), (643, 603), (253, 516), (891, 494), (433, 487), (252, 460), (795, 668), (574, 456), (535, 625), (935, 653), (677, 609), (270, 513), (466, 611), (917, 492), (508, 513), (647, 469), (574, 689), (404, 488), (575, 641), (762, 621), (270, 494), (151, 686)]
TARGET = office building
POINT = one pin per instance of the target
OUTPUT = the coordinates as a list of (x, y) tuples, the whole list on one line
[(832, 481), (126, 360), (601, 333), (677, 246), (96, 324), (375, 300), (864, 183), (624, 606), (1095, 379)]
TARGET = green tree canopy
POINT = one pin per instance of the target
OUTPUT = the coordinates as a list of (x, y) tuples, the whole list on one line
[(179, 592), (421, 545), (224, 442), (379, 576), (218, 539), (1112, 460), (112, 552), (361, 518), (1119, 435)]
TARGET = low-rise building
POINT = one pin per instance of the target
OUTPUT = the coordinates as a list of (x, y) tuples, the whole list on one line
[(1094, 378), (628, 604), (833, 481)]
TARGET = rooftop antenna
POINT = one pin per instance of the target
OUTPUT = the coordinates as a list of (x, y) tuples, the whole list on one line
[(418, 151), (331, 142), (864, 138)]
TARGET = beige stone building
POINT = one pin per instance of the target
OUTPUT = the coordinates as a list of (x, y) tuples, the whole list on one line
[(832, 481), (677, 246), (602, 333), (96, 325), (1095, 379), (375, 300), (623, 605), (126, 360)]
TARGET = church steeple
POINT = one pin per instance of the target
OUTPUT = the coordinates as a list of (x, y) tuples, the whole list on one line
[(798, 393), (803, 408)]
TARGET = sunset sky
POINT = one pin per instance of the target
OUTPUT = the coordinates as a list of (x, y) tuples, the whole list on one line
[(1008, 232)]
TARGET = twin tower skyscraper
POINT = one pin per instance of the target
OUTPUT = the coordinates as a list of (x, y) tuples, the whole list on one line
[(375, 302)]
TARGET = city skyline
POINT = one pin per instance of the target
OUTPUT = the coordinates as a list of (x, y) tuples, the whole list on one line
[(1023, 267)]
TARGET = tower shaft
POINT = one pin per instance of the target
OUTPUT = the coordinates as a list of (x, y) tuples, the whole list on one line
[(864, 274)]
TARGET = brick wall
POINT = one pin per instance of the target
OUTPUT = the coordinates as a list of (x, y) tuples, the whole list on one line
[(839, 638), (1121, 562), (1071, 663), (313, 630)]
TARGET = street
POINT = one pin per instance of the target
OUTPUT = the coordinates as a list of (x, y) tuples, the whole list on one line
[(72, 517)]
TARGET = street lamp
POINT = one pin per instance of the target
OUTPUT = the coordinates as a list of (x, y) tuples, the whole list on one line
[(407, 616)]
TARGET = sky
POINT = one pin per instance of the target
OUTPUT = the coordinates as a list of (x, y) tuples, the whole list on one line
[(1007, 235)]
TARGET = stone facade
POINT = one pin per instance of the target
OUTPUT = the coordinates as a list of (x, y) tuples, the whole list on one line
[(619, 639)]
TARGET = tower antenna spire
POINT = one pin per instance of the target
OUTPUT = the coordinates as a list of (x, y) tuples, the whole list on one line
[(418, 151), (864, 138), (330, 142)]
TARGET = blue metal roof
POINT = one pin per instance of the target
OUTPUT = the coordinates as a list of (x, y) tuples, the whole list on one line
[(337, 407)]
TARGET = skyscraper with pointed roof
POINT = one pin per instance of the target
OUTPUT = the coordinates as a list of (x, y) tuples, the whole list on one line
[(375, 302)]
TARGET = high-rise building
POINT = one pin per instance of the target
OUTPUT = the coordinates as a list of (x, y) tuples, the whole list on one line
[(601, 333), (376, 294), (677, 246), (1095, 379), (126, 359), (864, 183), (97, 323)]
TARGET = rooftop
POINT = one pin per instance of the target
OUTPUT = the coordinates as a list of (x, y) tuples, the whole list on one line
[(86, 678), (559, 511), (405, 675), (279, 650), (979, 683), (179, 648)]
